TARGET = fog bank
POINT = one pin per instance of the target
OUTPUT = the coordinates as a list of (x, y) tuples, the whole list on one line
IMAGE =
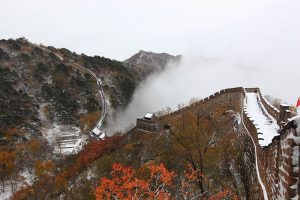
[(251, 43), (198, 77)]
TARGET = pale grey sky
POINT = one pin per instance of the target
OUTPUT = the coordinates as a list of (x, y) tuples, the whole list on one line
[(260, 36), (119, 28)]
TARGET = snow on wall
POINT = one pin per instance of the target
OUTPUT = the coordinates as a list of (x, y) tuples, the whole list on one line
[(266, 125), (262, 185), (296, 121), (271, 109), (288, 178), (277, 164)]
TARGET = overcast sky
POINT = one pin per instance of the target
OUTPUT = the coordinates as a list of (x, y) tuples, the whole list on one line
[(261, 36)]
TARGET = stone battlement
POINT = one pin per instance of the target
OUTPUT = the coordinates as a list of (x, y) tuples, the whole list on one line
[(278, 163)]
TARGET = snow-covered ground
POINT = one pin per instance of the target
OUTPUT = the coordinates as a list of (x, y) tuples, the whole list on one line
[(102, 96), (70, 145), (66, 139), (266, 125), (6, 194), (25, 178)]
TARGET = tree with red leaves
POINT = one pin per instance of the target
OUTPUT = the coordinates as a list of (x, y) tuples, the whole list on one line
[(189, 187), (7, 165), (91, 152), (148, 182)]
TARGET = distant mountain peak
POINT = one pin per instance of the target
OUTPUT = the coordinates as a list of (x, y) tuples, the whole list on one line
[(147, 62)]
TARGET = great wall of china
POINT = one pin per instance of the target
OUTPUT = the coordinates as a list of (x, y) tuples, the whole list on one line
[(272, 171)]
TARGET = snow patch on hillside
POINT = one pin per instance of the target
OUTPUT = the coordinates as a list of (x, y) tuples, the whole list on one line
[(25, 178), (65, 139)]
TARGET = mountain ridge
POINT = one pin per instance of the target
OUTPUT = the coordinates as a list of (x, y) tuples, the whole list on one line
[(47, 78), (147, 62)]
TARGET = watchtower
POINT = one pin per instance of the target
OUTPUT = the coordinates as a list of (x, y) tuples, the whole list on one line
[(147, 123)]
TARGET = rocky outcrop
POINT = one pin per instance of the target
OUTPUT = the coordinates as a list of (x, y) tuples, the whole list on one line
[(145, 62), (39, 89)]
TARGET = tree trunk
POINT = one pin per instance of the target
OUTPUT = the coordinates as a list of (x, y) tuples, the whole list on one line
[(183, 127), (201, 171), (3, 185), (12, 186)]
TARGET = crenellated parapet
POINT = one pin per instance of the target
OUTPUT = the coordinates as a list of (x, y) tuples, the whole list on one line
[(278, 163), (205, 100), (282, 162), (272, 110), (147, 123)]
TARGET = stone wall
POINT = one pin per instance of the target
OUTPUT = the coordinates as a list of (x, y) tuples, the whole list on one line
[(281, 164), (214, 96), (274, 112), (146, 125), (278, 163), (233, 99)]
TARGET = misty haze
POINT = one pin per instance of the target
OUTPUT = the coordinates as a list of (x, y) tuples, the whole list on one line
[(198, 77)]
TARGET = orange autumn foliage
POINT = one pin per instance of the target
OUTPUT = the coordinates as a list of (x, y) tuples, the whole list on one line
[(189, 183), (153, 182), (43, 167), (23, 193), (190, 190), (61, 182), (7, 162), (11, 132), (88, 121), (225, 194), (190, 174), (91, 152), (127, 184), (34, 145)]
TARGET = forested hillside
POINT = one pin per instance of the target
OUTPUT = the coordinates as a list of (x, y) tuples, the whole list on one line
[(195, 156), (49, 104)]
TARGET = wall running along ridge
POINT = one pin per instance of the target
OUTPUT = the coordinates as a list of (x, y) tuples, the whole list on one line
[(277, 164)]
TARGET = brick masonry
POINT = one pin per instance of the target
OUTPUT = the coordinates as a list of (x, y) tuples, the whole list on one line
[(278, 163)]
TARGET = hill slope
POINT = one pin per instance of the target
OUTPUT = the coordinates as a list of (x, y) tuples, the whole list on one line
[(49, 103), (39, 89), (144, 63)]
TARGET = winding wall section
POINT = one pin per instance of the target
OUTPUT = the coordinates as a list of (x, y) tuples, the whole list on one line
[(98, 80), (277, 165)]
